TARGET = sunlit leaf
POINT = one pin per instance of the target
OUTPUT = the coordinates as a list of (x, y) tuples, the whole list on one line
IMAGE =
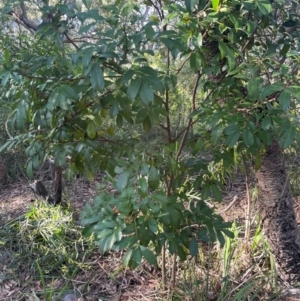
[(215, 4), (264, 6), (91, 130)]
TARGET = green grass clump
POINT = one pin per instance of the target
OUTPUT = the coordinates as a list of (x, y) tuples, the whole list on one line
[(45, 246)]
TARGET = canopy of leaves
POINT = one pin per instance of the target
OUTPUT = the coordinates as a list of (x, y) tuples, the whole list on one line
[(119, 87)]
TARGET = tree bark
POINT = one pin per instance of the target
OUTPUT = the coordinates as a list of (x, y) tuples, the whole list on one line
[(57, 185), (39, 188), (275, 202), (3, 175)]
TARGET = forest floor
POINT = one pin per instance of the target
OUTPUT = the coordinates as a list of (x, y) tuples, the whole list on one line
[(101, 277)]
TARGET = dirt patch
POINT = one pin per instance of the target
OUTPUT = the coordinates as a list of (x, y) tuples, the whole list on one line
[(14, 201)]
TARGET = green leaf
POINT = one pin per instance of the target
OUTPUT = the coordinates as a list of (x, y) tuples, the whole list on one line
[(228, 233), (5, 78), (119, 120), (284, 99), (127, 76), (91, 129), (153, 178), (264, 6), (232, 139), (87, 55), (288, 137), (193, 62), (223, 49), (134, 88), (122, 180), (216, 193), (252, 88), (6, 55), (155, 83), (173, 80), (271, 90), (114, 109), (62, 102), (143, 186), (199, 40), (248, 137), (87, 3), (216, 133), (215, 4), (126, 258), (221, 238), (97, 79), (118, 233), (84, 29), (110, 241), (147, 124), (295, 91), (126, 242), (148, 255), (146, 93), (152, 224), (69, 92), (193, 247), (266, 123), (137, 256), (232, 128), (150, 32), (29, 169), (190, 4), (104, 233)]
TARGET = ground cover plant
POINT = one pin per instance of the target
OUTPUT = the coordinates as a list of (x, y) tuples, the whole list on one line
[(45, 256), (167, 100)]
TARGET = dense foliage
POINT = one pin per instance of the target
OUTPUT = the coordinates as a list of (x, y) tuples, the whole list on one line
[(144, 91)]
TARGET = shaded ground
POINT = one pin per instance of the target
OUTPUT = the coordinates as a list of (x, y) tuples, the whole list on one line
[(98, 280)]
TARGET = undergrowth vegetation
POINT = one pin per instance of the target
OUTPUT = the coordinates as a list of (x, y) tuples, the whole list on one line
[(171, 101), (44, 250), (43, 245)]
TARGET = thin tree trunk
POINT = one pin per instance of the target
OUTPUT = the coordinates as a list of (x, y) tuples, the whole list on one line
[(278, 216), (3, 175)]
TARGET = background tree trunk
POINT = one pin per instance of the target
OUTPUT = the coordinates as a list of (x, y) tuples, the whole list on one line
[(278, 215), (57, 185), (3, 175)]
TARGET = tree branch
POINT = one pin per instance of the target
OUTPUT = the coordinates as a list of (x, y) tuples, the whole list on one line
[(23, 19), (190, 123)]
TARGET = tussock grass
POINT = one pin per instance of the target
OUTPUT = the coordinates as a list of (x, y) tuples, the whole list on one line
[(44, 249)]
